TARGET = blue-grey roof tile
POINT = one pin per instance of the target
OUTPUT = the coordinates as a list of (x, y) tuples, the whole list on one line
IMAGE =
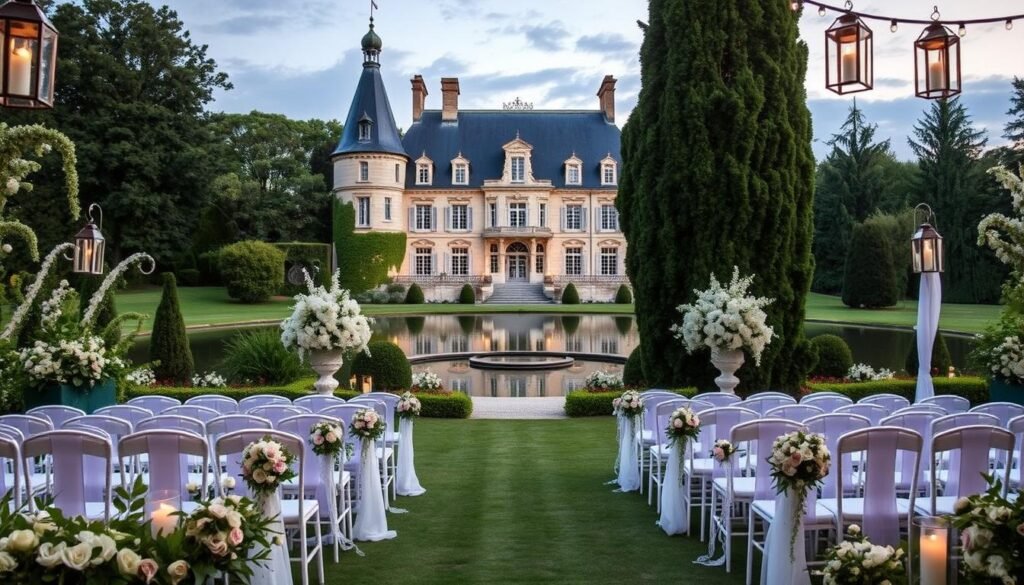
[(372, 100)]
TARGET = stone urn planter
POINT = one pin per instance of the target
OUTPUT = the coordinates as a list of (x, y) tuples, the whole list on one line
[(326, 363), (727, 361), (87, 398), (1000, 390)]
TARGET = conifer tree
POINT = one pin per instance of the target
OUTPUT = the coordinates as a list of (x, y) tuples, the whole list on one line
[(169, 344), (718, 171)]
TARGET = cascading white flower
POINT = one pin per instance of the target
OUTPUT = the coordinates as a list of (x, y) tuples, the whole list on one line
[(326, 319)]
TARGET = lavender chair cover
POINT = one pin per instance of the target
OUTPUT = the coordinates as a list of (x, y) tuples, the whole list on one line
[(260, 400), (718, 398), (69, 451), (154, 404), (344, 413), (275, 413), (230, 423), (320, 475), (222, 404), (1004, 411), (832, 426), (890, 402), (923, 407), (826, 401), (1016, 427), (113, 429), (950, 403), (169, 452), (974, 443), (131, 413), (794, 412), (872, 412), (920, 423), (762, 404), (56, 414), (10, 455), (172, 422), (317, 402), (195, 411)]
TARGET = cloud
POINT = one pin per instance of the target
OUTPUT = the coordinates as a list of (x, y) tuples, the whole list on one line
[(604, 43), (546, 37), (243, 25)]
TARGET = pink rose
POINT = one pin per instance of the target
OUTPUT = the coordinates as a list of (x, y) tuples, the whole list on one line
[(719, 454), (796, 458), (217, 545), (331, 437), (318, 440), (677, 423), (965, 538), (235, 537), (280, 466), (359, 424), (148, 569), (1020, 529), (270, 451)]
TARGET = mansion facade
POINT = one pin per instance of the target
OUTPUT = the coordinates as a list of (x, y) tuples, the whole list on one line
[(501, 199)]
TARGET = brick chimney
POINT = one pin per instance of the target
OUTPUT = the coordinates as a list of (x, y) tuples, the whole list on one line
[(449, 99), (419, 97), (606, 96)]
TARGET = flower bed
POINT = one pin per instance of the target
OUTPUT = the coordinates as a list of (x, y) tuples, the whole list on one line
[(971, 388), (587, 403)]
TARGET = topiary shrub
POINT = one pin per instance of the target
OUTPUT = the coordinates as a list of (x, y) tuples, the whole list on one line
[(257, 356), (870, 277), (633, 371), (252, 270), (570, 296), (169, 349), (395, 287), (834, 357), (467, 296), (941, 361), (387, 364), (415, 295), (623, 296)]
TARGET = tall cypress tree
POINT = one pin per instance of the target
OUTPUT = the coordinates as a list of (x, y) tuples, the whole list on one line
[(169, 348), (1014, 129), (718, 171)]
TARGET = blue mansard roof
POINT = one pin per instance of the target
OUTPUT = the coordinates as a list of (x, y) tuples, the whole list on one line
[(479, 135), (370, 100)]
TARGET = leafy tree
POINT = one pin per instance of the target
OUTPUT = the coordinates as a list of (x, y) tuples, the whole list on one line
[(898, 227), (633, 371), (718, 172), (870, 279), (948, 147), (169, 348)]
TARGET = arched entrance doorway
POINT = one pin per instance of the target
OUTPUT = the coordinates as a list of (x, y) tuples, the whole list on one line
[(516, 260)]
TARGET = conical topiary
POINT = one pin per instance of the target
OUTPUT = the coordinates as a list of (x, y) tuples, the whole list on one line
[(623, 296), (941, 361), (467, 296), (415, 295), (570, 296), (168, 346)]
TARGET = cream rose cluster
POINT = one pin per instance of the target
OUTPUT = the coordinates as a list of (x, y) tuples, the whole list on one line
[(265, 465), (603, 381), (630, 404), (427, 381), (367, 424), (326, 319), (408, 406), (857, 560), (326, 438)]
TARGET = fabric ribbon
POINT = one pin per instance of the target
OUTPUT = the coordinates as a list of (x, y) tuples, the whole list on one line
[(408, 483), (675, 517), (709, 560), (371, 520), (780, 567), (629, 474), (276, 569)]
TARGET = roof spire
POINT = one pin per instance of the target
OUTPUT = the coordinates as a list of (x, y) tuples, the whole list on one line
[(372, 43)]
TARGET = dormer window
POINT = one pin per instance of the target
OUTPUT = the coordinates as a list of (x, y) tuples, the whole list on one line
[(365, 127), (518, 169), (424, 170), (573, 171), (609, 175), (460, 170)]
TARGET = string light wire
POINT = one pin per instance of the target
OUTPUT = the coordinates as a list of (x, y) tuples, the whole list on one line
[(894, 21)]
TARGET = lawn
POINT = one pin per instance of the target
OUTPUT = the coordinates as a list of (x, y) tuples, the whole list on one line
[(517, 501), (211, 306)]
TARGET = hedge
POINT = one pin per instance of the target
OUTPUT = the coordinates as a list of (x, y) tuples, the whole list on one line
[(306, 255), (973, 389), (364, 258), (587, 403), (253, 271)]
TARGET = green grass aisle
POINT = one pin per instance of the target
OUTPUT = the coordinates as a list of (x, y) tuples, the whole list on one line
[(523, 502)]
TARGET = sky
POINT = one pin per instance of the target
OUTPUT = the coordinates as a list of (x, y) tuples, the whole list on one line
[(302, 57)]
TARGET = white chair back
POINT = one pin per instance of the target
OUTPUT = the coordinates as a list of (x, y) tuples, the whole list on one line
[(662, 413), (260, 400), (950, 403), (794, 412), (762, 404), (169, 452), (232, 444), (229, 423), (927, 408), (128, 412), (317, 402), (890, 402), (197, 412), (827, 401), (28, 425), (56, 414), (962, 419), (172, 422), (718, 398), (766, 393), (759, 435), (833, 425), (717, 423), (70, 450), (276, 412), (1004, 411), (873, 412), (154, 403), (10, 457), (1016, 427), (222, 404), (974, 445)]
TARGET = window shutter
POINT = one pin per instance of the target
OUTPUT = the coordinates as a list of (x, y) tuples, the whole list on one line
[(447, 219), (584, 212), (561, 218), (469, 217), (412, 218), (433, 219), (433, 263), (447, 263), (469, 263), (583, 263), (598, 224), (527, 214)]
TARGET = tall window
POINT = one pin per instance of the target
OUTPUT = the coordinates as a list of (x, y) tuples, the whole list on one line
[(423, 174), (461, 174), (543, 215), (574, 261), (387, 209), (572, 174), (574, 217), (608, 174), (424, 262), (364, 171), (494, 258), (460, 217), (492, 211), (609, 261), (460, 261), (363, 219), (424, 214), (397, 168), (517, 215), (609, 218), (540, 259), (518, 169)]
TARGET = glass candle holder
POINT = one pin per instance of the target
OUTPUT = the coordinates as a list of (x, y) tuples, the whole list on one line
[(163, 506), (933, 543)]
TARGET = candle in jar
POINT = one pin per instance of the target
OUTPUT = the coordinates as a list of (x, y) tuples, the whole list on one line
[(933, 556), (927, 256), (20, 76), (164, 522), (849, 66), (936, 75)]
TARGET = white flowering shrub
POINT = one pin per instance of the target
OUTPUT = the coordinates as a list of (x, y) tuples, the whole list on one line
[(78, 362), (1005, 235), (1006, 360), (209, 380), (141, 377), (427, 381), (604, 381), (326, 319), (866, 373), (726, 317)]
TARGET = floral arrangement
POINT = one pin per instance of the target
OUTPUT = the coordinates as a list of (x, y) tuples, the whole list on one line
[(408, 406), (865, 373), (601, 381), (220, 534), (209, 380), (855, 561), (992, 534), (426, 382), (629, 405), (326, 438), (722, 451), (1006, 359), (265, 465), (326, 319), (141, 377), (726, 317), (367, 424), (227, 483), (799, 462), (78, 362), (683, 425)]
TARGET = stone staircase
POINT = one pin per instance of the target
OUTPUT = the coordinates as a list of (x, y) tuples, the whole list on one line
[(518, 293)]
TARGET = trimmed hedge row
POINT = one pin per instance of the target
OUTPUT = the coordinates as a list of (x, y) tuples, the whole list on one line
[(587, 403), (973, 389), (453, 405)]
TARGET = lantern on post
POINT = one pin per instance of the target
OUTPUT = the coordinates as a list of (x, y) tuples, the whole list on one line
[(937, 63), (849, 55), (28, 56), (90, 246), (926, 246)]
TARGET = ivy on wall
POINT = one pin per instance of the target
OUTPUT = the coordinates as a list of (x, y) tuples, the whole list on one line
[(364, 259)]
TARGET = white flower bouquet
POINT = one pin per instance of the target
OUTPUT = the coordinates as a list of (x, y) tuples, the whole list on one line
[(865, 373), (141, 377), (408, 406), (683, 425), (629, 405), (799, 462), (326, 319), (77, 362), (265, 465), (722, 451), (220, 533), (209, 380), (427, 382), (367, 424), (1006, 360), (855, 561), (326, 438), (726, 317), (601, 381), (992, 534)]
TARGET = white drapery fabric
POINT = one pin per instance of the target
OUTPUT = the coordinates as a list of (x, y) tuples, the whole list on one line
[(629, 470), (277, 569), (327, 496), (675, 518), (408, 483), (371, 518), (709, 560), (929, 304), (778, 566)]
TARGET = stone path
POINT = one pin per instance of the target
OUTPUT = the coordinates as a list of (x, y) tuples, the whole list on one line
[(519, 408)]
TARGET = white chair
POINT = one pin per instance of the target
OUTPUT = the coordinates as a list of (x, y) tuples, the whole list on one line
[(195, 411), (386, 448), (128, 412), (1004, 411), (170, 453), (873, 412), (762, 404), (222, 404), (827, 401), (10, 457), (153, 403), (657, 457), (172, 421), (962, 419), (70, 452), (1016, 427), (317, 402), (223, 425), (260, 400), (30, 426), (833, 425), (974, 444), (921, 423), (275, 413), (949, 402), (928, 408), (820, 394), (890, 402), (296, 514), (718, 398), (765, 393), (794, 412), (643, 437), (56, 414), (344, 413)]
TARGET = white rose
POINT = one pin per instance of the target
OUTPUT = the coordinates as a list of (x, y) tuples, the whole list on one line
[(77, 557), (107, 546), (49, 555), (178, 570), (22, 541), (7, 248), (7, 562), (128, 562), (227, 482)]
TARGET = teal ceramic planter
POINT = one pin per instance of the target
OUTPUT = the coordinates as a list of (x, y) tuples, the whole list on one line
[(81, 397), (1003, 391)]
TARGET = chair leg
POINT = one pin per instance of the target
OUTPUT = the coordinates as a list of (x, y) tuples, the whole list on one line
[(703, 507), (727, 524), (650, 478), (303, 550), (320, 552), (750, 544)]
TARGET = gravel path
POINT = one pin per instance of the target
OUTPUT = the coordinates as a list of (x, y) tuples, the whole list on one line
[(519, 408)]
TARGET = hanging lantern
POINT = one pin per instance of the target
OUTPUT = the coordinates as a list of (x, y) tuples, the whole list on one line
[(926, 246), (28, 56), (90, 246), (849, 56), (937, 63)]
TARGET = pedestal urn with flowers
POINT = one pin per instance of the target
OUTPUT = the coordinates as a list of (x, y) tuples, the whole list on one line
[(329, 325), (728, 321)]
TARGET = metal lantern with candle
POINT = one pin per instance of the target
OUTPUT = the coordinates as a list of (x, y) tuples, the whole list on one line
[(926, 252), (934, 549), (926, 245), (849, 55), (28, 56), (937, 63), (90, 245)]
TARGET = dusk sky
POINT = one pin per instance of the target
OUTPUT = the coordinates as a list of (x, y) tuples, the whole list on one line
[(302, 58)]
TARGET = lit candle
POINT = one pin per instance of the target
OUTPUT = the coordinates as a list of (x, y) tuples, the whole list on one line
[(20, 80), (164, 522), (933, 552), (927, 256), (849, 69), (936, 75)]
